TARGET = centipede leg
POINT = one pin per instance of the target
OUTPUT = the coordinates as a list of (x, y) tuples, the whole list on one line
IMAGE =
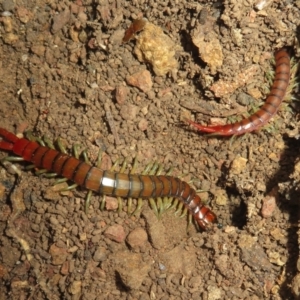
[(153, 206), (179, 208)]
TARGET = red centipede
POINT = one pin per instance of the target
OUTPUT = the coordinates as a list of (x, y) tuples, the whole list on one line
[(108, 182), (267, 111)]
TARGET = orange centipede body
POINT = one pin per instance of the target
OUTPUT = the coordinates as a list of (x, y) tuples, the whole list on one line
[(267, 111), (108, 182)]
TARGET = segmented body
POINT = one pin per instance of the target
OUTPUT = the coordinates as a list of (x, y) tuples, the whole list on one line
[(267, 111), (108, 182)]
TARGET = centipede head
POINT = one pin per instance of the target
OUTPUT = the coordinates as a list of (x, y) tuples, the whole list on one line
[(206, 218)]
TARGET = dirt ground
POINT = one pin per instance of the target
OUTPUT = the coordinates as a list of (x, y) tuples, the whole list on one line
[(66, 73)]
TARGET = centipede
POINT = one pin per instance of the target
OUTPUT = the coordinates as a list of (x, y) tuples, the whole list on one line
[(267, 111), (107, 182)]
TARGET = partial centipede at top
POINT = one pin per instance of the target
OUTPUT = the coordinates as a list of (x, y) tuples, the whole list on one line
[(108, 182), (267, 111)]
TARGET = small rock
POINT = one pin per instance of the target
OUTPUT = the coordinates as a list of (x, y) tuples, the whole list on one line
[(220, 197), (121, 94), (129, 112), (155, 47), (75, 287), (82, 236), (296, 286), (23, 14), (7, 23), (260, 186), (137, 238), (210, 49), (8, 5), (115, 233), (100, 254), (143, 125), (3, 271), (141, 80), (65, 268), (59, 255), (53, 193), (111, 203), (238, 165), (269, 203), (214, 293), (255, 93), (277, 234), (10, 38), (60, 20), (275, 258), (2, 191), (38, 50), (106, 163), (253, 254), (274, 157)]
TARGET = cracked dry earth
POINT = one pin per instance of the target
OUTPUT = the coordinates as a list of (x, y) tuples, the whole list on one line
[(66, 73)]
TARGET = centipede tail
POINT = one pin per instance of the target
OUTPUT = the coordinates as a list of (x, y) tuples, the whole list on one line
[(267, 111), (108, 182)]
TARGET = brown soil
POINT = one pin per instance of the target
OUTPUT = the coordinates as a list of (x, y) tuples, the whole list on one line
[(65, 73)]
